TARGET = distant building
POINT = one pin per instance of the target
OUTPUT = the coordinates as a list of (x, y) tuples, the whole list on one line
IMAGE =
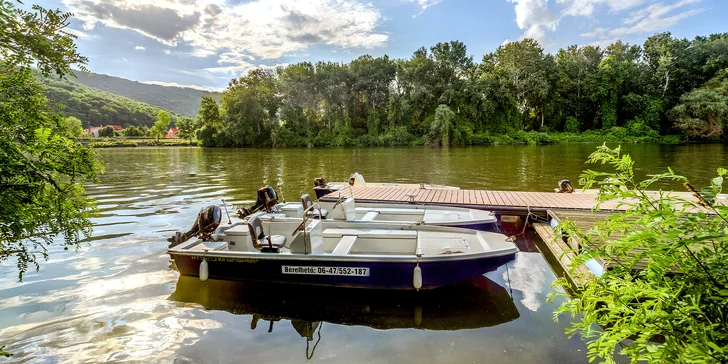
[(171, 133), (94, 130)]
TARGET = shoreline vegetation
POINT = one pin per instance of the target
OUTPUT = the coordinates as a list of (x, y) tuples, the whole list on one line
[(667, 90), (617, 135)]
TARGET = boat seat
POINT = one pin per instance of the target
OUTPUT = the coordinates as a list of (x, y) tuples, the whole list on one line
[(260, 240), (371, 233), (369, 216), (398, 211), (345, 244), (315, 213)]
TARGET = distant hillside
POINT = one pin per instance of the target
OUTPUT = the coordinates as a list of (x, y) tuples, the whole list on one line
[(183, 101), (95, 107)]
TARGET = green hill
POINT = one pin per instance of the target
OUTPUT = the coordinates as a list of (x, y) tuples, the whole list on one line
[(96, 107), (180, 100)]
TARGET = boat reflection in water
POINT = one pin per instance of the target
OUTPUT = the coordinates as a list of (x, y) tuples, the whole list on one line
[(470, 304)]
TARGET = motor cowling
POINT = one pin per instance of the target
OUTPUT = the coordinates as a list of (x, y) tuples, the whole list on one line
[(565, 186), (319, 182), (266, 199), (208, 219)]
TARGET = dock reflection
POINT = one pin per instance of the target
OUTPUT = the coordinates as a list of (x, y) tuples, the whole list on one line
[(472, 304)]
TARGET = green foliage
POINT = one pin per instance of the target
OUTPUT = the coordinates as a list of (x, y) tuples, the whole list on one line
[(187, 128), (71, 128), (107, 132), (702, 113), (134, 131), (43, 171), (209, 112), (442, 128), (41, 184), (161, 126), (37, 38), (571, 125), (113, 144), (665, 298), (173, 143)]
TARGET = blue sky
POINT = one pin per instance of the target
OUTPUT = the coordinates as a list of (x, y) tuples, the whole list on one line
[(205, 43)]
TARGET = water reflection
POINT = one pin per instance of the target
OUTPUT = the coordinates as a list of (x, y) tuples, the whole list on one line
[(472, 304)]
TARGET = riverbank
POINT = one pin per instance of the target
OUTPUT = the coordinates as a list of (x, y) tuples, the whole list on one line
[(394, 139), (400, 137), (135, 143)]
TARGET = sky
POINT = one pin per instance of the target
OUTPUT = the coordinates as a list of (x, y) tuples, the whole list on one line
[(205, 43)]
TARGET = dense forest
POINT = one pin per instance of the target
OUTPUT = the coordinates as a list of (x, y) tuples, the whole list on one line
[(95, 107), (518, 93), (179, 100)]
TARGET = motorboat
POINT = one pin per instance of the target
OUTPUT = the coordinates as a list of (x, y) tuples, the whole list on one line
[(340, 253), (351, 210), (348, 209), (322, 187)]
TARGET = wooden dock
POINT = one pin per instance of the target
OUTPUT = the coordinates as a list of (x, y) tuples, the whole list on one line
[(515, 203)]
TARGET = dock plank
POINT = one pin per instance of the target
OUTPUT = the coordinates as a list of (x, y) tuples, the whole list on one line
[(503, 202)]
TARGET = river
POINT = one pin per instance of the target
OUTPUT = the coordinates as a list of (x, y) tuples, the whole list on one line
[(118, 299)]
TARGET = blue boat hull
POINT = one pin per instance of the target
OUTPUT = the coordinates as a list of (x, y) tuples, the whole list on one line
[(382, 274)]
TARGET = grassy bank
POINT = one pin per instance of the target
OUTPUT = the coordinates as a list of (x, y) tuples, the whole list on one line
[(131, 143), (399, 136)]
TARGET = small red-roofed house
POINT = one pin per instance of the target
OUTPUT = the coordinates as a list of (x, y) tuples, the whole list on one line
[(171, 133)]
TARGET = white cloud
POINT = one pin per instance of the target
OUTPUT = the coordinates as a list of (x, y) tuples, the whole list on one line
[(423, 4), (139, 48), (266, 29), (534, 17), (655, 11), (174, 84), (649, 19), (167, 51), (588, 7), (79, 34)]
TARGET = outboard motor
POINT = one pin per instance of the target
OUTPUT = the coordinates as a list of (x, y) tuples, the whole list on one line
[(357, 180), (319, 182), (565, 187), (208, 219), (267, 200)]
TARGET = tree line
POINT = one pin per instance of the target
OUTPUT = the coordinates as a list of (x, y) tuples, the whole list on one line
[(441, 96)]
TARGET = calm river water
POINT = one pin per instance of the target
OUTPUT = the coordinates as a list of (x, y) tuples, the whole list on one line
[(117, 299)]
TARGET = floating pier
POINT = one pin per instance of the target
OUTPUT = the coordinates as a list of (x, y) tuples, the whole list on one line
[(512, 203)]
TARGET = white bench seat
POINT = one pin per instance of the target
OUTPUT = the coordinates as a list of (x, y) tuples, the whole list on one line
[(371, 233), (345, 244), (392, 210), (370, 216)]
